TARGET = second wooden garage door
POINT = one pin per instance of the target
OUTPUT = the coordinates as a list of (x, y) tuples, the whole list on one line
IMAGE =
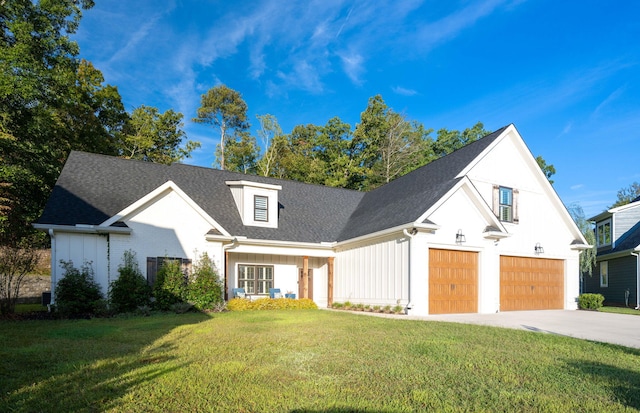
[(531, 284), (453, 282)]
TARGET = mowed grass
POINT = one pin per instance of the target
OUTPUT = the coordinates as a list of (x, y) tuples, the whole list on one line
[(305, 361)]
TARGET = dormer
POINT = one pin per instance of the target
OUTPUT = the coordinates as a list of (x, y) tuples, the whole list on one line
[(257, 202)]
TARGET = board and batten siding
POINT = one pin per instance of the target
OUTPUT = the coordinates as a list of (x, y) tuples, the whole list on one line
[(373, 274), (91, 249), (622, 276)]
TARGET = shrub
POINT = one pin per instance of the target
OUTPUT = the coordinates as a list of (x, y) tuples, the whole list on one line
[(590, 301), (130, 290), (337, 305), (77, 294), (398, 309), (205, 288), (15, 264), (170, 286), (180, 308), (241, 304)]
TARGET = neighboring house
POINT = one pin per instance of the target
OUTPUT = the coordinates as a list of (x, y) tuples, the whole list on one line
[(617, 272), (480, 230)]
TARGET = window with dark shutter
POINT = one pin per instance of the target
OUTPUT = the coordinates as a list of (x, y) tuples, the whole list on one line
[(260, 208)]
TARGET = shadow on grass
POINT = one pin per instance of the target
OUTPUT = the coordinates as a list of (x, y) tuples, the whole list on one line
[(84, 365), (624, 383)]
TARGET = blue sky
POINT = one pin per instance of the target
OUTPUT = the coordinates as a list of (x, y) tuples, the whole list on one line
[(566, 73)]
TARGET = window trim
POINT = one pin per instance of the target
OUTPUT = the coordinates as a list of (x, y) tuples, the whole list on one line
[(505, 206), (604, 283), (255, 290), (602, 224), (256, 208)]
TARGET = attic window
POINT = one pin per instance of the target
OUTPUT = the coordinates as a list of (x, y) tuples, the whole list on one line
[(505, 204), (603, 233), (260, 208)]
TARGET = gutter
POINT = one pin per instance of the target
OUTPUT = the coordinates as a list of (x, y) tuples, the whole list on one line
[(83, 229)]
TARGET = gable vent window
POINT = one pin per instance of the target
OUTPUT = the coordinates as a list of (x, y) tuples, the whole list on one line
[(505, 204), (260, 208)]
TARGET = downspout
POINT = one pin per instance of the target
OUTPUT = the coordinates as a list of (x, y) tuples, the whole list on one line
[(234, 243), (409, 236), (637, 280), (54, 275)]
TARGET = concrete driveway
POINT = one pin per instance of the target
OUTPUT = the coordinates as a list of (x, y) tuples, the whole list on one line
[(622, 329)]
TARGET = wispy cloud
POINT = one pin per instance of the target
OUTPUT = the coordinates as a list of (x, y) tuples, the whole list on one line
[(403, 91), (608, 100)]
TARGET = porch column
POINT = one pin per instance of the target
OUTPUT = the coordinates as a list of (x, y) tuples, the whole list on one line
[(305, 277), (330, 281)]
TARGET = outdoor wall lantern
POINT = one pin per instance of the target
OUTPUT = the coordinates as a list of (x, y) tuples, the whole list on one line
[(538, 249), (460, 238)]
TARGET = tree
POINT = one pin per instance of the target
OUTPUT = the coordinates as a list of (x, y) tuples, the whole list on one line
[(155, 137), (587, 257), (273, 144), (547, 170), (627, 195), (15, 264), (388, 144), (50, 103), (448, 141), (242, 153), (225, 109)]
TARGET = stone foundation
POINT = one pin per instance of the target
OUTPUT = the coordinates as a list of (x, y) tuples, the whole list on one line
[(32, 288)]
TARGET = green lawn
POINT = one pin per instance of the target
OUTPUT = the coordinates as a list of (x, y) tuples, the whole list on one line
[(619, 310), (305, 361)]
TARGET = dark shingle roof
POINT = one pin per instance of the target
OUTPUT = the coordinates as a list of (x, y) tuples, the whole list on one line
[(403, 200), (92, 188)]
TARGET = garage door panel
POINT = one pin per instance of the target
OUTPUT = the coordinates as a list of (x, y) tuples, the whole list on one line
[(453, 281), (531, 283)]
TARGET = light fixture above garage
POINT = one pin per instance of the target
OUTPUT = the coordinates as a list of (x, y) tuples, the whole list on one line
[(538, 249), (460, 238)]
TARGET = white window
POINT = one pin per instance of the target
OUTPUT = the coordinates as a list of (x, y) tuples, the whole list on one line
[(255, 279), (260, 208), (603, 233), (604, 274), (506, 204)]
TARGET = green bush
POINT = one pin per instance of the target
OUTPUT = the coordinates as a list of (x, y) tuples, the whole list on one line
[(241, 304), (170, 286), (590, 301), (77, 294), (130, 290), (205, 289)]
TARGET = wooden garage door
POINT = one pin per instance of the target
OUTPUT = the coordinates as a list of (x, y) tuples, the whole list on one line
[(531, 284), (453, 282)]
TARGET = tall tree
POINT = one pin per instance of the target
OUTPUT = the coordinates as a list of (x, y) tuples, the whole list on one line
[(225, 109), (273, 144), (242, 153), (50, 103), (627, 195), (155, 137)]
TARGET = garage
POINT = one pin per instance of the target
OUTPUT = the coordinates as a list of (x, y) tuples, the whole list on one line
[(531, 284), (453, 281)]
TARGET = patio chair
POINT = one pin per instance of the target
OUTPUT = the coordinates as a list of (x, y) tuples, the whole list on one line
[(238, 293), (275, 293)]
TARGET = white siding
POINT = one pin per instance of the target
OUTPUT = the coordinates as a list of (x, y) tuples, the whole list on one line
[(167, 227), (375, 273), (81, 248)]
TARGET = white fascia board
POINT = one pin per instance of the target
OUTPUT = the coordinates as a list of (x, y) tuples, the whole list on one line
[(83, 229), (291, 244), (581, 247), (417, 225), (272, 247), (509, 129), (253, 184), (485, 210), (156, 193)]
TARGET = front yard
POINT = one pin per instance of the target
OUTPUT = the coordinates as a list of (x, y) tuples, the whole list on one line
[(305, 361)]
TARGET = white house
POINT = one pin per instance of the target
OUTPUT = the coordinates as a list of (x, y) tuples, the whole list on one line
[(480, 230)]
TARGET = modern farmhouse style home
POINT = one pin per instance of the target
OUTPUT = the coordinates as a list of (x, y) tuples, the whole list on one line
[(480, 230)]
